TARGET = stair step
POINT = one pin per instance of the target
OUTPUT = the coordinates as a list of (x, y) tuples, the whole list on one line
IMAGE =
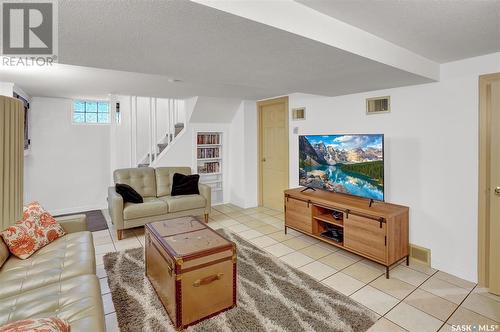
[(146, 160), (178, 128), (162, 146)]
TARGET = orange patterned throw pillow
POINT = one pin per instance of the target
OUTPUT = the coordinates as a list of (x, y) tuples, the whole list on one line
[(51, 324), (37, 229)]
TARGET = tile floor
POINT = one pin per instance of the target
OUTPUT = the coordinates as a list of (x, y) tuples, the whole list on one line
[(415, 298)]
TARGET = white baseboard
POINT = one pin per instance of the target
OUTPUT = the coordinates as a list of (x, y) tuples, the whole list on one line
[(76, 210), (245, 205)]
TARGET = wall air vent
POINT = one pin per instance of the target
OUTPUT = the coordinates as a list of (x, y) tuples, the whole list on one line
[(378, 105), (420, 254), (299, 113)]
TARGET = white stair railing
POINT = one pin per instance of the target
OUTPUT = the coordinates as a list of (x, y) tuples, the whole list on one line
[(156, 122)]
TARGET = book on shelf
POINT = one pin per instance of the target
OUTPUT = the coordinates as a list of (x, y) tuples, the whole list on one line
[(210, 167), (204, 153), (208, 139)]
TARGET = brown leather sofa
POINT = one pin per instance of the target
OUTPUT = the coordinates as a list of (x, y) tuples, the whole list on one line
[(154, 185), (57, 280)]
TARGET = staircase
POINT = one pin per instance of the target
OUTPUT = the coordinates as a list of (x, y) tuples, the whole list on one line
[(162, 145), (156, 124)]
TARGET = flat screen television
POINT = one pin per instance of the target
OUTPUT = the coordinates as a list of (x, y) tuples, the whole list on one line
[(349, 164)]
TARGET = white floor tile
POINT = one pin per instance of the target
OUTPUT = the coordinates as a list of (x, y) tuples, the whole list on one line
[(250, 234), (296, 259), (104, 286), (279, 249), (263, 241), (385, 325), (413, 319), (108, 304), (375, 300), (318, 270), (111, 323), (343, 283), (104, 248), (238, 228)]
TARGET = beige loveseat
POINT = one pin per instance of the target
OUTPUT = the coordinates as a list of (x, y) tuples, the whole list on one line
[(57, 280), (154, 185)]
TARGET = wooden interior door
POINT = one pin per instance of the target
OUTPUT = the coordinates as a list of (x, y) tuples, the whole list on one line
[(494, 196), (273, 152)]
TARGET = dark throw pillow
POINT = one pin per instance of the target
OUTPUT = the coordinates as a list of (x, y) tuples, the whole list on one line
[(128, 193), (185, 184)]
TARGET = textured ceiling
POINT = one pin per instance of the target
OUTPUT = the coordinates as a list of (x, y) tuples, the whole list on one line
[(83, 82), (205, 47), (441, 30)]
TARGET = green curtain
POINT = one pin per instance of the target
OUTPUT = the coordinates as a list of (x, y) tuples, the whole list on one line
[(11, 160)]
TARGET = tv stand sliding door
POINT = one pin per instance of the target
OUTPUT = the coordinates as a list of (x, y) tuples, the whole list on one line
[(378, 232)]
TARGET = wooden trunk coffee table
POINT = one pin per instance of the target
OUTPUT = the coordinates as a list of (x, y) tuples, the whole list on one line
[(192, 269)]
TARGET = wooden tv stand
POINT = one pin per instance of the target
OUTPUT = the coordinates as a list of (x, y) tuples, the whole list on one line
[(378, 233)]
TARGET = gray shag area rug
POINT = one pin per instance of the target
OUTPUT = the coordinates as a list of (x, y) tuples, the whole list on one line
[(272, 296)]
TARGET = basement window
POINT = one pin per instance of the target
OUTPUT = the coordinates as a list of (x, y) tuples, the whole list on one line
[(88, 111)]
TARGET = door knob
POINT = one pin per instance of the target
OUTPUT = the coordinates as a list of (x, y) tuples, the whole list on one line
[(497, 191)]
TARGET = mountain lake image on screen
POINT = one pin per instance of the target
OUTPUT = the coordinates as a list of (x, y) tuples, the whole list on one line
[(349, 164)]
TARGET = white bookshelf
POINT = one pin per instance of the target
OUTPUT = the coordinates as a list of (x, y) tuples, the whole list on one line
[(209, 162)]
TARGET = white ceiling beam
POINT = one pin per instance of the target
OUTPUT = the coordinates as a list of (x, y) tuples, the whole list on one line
[(301, 20)]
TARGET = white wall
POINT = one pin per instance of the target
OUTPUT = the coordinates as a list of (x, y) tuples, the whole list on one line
[(251, 142), (121, 152), (237, 152), (218, 110), (67, 169), (243, 156), (183, 152), (6, 89), (431, 157)]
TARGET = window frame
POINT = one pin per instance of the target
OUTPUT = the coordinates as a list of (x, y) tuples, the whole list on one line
[(97, 101)]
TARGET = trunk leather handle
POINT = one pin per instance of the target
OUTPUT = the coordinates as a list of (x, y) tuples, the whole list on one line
[(207, 280)]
